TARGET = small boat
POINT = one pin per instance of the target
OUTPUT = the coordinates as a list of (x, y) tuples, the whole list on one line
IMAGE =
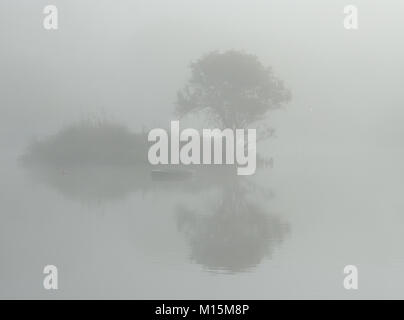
[(171, 175)]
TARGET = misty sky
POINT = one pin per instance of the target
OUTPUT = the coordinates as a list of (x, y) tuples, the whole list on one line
[(127, 59)]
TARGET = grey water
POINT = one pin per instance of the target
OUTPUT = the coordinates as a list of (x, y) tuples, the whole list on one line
[(333, 197)]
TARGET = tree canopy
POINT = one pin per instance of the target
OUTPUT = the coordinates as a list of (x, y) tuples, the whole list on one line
[(233, 88)]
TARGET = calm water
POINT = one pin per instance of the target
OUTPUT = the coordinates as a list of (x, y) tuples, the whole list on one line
[(287, 232)]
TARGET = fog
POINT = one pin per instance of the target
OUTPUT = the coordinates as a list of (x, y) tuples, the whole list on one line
[(331, 198)]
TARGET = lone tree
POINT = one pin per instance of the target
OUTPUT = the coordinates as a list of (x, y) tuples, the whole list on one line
[(233, 88)]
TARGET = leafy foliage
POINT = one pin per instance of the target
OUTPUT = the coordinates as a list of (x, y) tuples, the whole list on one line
[(234, 89)]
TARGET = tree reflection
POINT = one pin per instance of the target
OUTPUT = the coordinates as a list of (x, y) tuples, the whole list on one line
[(236, 234)]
